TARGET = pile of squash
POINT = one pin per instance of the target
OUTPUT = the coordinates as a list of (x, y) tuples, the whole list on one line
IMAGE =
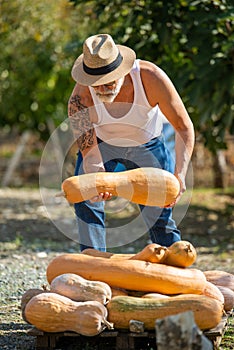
[(91, 291)]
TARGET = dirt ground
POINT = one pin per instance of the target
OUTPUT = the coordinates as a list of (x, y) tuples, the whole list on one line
[(36, 219), (29, 239)]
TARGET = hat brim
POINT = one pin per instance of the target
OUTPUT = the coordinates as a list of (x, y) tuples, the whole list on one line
[(81, 77)]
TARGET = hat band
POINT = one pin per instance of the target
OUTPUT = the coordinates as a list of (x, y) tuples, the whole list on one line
[(105, 69)]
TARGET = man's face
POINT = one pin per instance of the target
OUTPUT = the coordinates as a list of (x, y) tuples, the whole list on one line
[(108, 92)]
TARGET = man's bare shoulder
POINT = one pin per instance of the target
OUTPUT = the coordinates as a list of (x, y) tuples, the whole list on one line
[(81, 95), (151, 71), (154, 80), (81, 100)]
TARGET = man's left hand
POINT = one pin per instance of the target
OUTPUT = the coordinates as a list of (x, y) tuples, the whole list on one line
[(103, 196), (181, 191)]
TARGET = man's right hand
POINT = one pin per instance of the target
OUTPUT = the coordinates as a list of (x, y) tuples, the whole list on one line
[(92, 165)]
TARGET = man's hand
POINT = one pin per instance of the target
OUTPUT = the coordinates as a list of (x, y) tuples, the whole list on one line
[(181, 180), (93, 163), (103, 196)]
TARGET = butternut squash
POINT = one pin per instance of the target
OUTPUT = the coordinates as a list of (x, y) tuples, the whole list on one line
[(180, 254), (51, 312), (228, 295), (129, 274), (220, 278), (207, 311), (212, 291), (78, 288), (148, 186), (152, 252), (27, 296)]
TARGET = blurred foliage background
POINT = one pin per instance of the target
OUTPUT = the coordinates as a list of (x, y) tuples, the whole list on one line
[(193, 41)]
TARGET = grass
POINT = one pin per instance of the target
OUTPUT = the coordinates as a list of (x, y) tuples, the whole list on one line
[(228, 339)]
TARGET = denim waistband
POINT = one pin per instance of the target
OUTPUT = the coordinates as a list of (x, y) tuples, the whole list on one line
[(159, 138)]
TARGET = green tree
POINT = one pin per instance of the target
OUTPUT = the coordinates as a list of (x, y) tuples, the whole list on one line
[(192, 40), (35, 61)]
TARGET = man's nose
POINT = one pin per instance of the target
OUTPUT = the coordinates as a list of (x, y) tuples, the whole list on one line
[(103, 88)]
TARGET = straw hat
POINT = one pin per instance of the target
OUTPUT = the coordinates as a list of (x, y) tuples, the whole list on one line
[(102, 61)]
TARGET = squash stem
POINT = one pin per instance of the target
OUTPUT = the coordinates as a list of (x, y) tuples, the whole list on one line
[(108, 324), (60, 194)]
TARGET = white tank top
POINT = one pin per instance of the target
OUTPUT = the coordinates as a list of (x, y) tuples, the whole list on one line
[(139, 125)]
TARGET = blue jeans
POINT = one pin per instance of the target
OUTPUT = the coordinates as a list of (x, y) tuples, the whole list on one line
[(91, 216)]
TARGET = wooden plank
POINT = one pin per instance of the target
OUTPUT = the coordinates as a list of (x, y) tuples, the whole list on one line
[(108, 334), (139, 335), (216, 334), (70, 334), (219, 330), (123, 340), (35, 332), (53, 341), (42, 342)]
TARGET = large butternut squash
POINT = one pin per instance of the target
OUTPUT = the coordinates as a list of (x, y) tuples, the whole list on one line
[(51, 312), (228, 295), (212, 291), (148, 186), (129, 274), (27, 296), (78, 288), (181, 254), (153, 252), (220, 278), (121, 309)]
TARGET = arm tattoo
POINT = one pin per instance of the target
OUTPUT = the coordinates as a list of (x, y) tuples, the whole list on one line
[(81, 123)]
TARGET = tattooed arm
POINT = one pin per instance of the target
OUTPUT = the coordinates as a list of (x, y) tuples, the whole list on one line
[(83, 130)]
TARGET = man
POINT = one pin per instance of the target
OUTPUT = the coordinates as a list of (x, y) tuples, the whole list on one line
[(116, 111)]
